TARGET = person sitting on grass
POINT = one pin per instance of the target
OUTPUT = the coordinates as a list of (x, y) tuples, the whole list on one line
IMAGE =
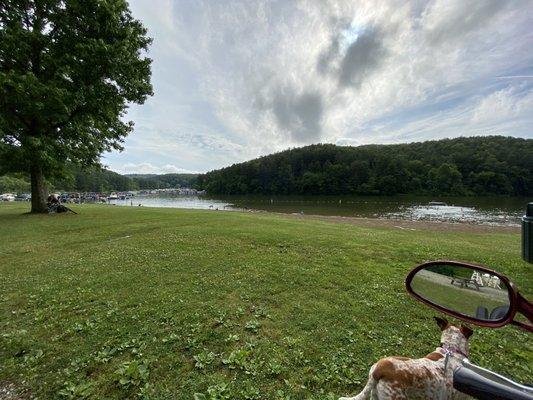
[(54, 204)]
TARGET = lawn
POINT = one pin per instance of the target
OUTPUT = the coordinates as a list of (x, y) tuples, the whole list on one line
[(465, 300), (165, 304)]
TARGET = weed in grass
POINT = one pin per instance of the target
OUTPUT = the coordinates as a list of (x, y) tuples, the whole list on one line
[(237, 359), (215, 392), (260, 312), (73, 391), (204, 359), (221, 319), (131, 373), (232, 338), (253, 326), (275, 367), (171, 338)]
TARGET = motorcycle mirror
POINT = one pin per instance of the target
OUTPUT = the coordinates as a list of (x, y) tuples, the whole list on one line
[(468, 292)]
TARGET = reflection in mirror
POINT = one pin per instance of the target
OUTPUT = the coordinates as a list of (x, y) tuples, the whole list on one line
[(465, 290)]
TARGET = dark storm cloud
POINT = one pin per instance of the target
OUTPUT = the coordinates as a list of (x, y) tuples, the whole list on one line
[(299, 114), (327, 57), (352, 63), (361, 59)]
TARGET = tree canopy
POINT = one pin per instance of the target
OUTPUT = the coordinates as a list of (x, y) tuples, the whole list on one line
[(493, 165), (99, 180), (164, 181), (68, 70)]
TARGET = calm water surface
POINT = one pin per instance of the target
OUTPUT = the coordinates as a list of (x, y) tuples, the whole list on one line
[(478, 210)]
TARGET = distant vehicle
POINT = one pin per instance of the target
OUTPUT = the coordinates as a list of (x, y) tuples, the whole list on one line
[(7, 197), (23, 197), (437, 203), (113, 196)]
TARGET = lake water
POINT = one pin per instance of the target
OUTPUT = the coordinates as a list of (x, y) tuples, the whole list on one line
[(478, 210)]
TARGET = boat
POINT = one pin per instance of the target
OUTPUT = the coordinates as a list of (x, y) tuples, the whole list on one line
[(437, 203)]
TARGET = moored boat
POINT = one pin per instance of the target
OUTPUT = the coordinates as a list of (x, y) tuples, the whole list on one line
[(437, 203)]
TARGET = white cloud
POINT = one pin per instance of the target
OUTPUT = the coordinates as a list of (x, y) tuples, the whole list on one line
[(238, 79), (348, 142), (503, 105), (149, 168)]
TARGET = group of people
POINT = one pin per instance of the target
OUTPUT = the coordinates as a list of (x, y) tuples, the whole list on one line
[(54, 204)]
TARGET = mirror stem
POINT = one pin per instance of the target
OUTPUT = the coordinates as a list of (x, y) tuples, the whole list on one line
[(525, 308)]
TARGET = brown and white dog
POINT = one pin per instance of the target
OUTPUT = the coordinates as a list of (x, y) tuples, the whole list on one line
[(402, 378)]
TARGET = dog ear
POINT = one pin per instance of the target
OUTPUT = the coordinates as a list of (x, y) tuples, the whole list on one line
[(441, 322), (466, 331)]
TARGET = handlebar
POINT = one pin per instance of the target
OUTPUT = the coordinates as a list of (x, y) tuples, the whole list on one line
[(474, 384)]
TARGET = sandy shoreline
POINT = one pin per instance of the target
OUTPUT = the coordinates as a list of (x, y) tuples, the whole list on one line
[(407, 225), (399, 224)]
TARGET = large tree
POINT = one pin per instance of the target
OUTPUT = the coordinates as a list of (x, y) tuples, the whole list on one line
[(68, 70)]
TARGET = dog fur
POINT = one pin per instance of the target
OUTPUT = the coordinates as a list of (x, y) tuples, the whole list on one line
[(402, 378)]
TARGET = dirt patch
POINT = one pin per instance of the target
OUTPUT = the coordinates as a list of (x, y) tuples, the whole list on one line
[(409, 225), (8, 391)]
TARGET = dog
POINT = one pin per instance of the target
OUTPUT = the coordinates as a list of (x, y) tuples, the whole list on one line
[(431, 377)]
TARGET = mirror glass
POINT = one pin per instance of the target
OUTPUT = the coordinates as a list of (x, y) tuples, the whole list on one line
[(464, 290)]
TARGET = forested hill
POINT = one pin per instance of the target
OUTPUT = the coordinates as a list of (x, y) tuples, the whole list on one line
[(462, 166), (99, 180), (103, 180), (164, 181)]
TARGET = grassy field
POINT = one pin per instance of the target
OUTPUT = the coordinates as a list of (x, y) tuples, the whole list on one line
[(165, 303), (463, 300)]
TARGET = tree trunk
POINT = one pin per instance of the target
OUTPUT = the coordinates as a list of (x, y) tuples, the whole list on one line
[(39, 192)]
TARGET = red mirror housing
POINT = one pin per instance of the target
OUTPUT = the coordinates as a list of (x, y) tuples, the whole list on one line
[(517, 303)]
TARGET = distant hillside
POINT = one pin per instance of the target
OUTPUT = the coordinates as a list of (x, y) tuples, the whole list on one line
[(153, 181), (463, 166), (99, 180), (94, 180)]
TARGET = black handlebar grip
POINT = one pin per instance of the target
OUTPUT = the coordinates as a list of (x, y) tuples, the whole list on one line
[(475, 385), (527, 234)]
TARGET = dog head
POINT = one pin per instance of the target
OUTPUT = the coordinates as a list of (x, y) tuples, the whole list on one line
[(454, 337)]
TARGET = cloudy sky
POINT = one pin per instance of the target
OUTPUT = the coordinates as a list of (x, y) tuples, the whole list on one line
[(237, 79)]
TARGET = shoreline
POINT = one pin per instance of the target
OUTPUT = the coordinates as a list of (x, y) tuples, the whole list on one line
[(405, 224), (506, 222), (401, 224)]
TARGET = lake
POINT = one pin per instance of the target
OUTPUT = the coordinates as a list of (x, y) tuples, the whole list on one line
[(477, 210)]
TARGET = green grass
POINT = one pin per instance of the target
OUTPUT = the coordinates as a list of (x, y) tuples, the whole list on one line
[(463, 300), (165, 303)]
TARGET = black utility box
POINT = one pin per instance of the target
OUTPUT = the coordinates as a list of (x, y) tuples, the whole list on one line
[(527, 234)]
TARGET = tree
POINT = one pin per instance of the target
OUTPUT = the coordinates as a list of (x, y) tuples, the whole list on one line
[(446, 179), (68, 70), (13, 184)]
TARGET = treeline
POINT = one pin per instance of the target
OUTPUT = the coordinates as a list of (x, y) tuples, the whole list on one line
[(165, 181), (93, 180), (493, 165), (98, 180), (15, 183)]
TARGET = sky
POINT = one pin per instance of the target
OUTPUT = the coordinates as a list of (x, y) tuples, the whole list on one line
[(234, 80)]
